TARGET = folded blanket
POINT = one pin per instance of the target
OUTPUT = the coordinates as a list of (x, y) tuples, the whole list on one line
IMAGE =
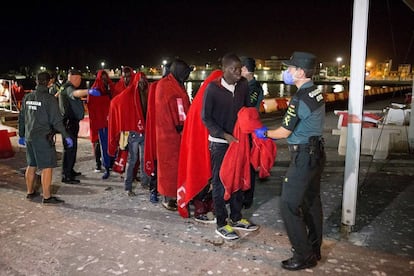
[(235, 169)]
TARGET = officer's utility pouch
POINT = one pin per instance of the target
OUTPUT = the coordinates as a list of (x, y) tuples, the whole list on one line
[(315, 144)]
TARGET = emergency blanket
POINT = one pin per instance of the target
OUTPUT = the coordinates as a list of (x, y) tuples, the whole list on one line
[(235, 169), (194, 166)]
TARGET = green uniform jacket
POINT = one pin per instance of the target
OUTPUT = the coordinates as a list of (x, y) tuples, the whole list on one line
[(70, 106)]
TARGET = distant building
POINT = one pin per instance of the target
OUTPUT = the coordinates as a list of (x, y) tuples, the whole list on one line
[(382, 70), (404, 71), (274, 63)]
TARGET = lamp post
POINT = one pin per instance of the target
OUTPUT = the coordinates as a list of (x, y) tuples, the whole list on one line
[(103, 65), (338, 59)]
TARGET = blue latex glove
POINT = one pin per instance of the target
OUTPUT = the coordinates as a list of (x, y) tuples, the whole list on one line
[(94, 92), (261, 132), (22, 141), (69, 142)]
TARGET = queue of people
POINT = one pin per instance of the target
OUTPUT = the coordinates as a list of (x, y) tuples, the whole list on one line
[(207, 152)]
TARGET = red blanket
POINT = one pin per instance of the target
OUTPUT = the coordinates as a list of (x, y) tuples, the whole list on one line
[(263, 155), (98, 106), (125, 114), (121, 85), (235, 169), (194, 167), (168, 115), (150, 150)]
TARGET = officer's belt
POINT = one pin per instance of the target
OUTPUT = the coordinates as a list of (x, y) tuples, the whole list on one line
[(298, 147)]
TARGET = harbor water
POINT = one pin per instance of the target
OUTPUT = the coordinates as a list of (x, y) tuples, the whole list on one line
[(274, 89)]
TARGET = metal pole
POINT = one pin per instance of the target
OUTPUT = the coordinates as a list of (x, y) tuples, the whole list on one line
[(355, 104)]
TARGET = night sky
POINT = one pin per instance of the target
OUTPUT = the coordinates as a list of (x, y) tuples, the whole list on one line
[(78, 33)]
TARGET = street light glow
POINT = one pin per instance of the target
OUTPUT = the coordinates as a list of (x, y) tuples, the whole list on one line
[(339, 59)]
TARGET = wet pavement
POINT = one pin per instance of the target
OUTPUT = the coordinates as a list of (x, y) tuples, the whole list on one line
[(102, 231)]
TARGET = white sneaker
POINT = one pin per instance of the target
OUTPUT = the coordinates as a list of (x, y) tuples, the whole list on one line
[(227, 232)]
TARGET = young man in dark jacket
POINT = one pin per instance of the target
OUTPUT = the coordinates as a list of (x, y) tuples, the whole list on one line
[(223, 99)]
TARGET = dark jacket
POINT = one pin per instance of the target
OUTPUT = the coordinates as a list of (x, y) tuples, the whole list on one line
[(39, 115), (220, 107)]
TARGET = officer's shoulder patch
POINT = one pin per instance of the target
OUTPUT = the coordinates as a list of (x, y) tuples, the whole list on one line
[(314, 92)]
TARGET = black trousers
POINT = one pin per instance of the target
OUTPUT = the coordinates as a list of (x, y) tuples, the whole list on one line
[(218, 150), (69, 154), (301, 205)]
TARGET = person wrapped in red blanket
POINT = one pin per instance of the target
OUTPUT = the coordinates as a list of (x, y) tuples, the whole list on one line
[(171, 107), (194, 167), (126, 117), (98, 102), (125, 80), (150, 149)]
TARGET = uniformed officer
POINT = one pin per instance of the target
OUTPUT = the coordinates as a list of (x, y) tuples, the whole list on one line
[(39, 120), (72, 109), (302, 125)]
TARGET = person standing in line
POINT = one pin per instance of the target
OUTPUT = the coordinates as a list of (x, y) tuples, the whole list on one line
[(150, 153), (126, 77), (127, 118), (150, 149), (72, 109), (98, 102), (39, 119), (194, 167), (223, 99), (255, 89), (256, 98), (171, 107), (302, 125)]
